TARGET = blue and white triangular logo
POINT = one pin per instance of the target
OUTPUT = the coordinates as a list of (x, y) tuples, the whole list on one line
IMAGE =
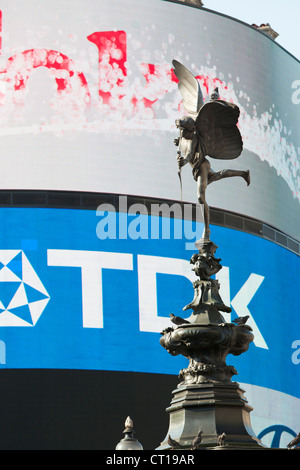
[(23, 297)]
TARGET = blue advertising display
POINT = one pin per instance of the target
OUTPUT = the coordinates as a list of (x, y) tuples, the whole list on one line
[(72, 300), (78, 291)]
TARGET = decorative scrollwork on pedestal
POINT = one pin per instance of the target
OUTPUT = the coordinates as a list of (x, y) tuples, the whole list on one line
[(198, 373)]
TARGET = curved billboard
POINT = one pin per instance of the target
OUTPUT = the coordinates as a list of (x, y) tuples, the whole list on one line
[(88, 102)]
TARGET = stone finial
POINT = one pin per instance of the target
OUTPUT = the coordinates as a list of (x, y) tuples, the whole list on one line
[(267, 29)]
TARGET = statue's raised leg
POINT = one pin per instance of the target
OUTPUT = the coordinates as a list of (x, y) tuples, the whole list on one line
[(218, 175)]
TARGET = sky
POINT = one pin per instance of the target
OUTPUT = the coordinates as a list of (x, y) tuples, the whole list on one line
[(282, 15)]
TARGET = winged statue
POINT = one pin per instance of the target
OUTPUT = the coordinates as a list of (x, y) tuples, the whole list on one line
[(208, 129)]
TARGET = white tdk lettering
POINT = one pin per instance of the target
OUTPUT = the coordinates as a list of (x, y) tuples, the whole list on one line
[(91, 264)]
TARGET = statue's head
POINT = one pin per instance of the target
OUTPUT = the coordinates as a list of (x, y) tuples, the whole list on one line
[(186, 123)]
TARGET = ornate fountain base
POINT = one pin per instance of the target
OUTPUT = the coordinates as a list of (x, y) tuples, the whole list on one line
[(206, 400), (213, 409)]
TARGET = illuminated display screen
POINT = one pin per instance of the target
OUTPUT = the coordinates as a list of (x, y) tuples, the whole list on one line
[(74, 296), (88, 102)]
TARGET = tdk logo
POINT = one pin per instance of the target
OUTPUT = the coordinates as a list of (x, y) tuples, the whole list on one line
[(22, 294)]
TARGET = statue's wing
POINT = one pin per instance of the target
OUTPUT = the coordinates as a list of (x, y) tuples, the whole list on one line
[(189, 88), (217, 126)]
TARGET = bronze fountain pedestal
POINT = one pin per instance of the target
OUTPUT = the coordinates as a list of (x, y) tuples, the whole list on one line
[(206, 400)]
